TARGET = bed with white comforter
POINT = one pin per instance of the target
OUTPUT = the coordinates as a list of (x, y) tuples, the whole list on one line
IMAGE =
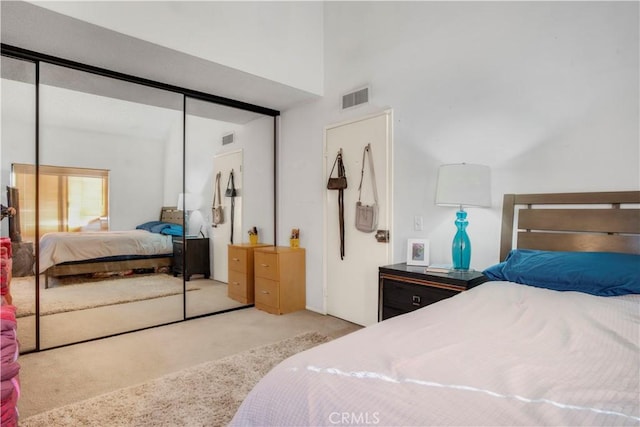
[(500, 354), (552, 340), (61, 247)]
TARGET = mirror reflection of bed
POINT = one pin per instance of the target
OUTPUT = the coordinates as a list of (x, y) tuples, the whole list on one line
[(82, 299), (111, 154)]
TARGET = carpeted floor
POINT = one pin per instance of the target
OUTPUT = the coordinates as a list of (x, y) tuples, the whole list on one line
[(206, 394)]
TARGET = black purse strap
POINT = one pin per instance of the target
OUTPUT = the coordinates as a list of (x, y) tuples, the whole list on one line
[(338, 161), (231, 186)]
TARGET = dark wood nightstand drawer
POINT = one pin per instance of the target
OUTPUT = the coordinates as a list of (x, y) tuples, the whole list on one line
[(406, 288), (407, 297)]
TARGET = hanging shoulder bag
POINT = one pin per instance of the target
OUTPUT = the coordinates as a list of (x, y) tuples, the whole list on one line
[(367, 215), (340, 182), (231, 188), (217, 213)]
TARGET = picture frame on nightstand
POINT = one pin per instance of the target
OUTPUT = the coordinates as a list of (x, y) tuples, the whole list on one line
[(418, 252)]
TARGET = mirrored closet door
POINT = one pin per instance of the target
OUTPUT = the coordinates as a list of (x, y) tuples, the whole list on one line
[(110, 171), (113, 177), (228, 166), (19, 146)]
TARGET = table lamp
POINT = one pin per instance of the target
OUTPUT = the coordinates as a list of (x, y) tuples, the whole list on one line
[(463, 185), (188, 202)]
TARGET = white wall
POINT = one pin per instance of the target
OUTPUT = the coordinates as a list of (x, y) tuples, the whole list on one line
[(255, 139), (546, 94), (280, 41), (17, 138)]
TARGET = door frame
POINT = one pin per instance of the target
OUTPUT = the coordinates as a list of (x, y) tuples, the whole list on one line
[(238, 219), (325, 208)]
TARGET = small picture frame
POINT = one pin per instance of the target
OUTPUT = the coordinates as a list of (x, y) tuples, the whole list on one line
[(418, 252)]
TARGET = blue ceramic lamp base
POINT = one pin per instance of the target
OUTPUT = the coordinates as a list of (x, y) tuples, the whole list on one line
[(461, 246)]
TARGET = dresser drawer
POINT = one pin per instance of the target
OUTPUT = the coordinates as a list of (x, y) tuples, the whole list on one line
[(408, 297), (266, 265), (238, 284), (267, 292), (237, 259)]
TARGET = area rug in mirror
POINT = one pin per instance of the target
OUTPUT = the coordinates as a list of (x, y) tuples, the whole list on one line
[(93, 294)]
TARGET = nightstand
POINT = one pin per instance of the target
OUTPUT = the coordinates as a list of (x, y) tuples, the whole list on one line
[(195, 256), (404, 288)]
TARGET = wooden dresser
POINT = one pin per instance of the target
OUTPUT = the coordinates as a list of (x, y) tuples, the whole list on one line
[(240, 261), (280, 279)]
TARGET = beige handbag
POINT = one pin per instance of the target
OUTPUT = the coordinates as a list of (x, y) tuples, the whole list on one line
[(367, 215), (217, 212)]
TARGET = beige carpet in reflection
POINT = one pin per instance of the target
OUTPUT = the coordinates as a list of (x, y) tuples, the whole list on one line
[(91, 294), (208, 394)]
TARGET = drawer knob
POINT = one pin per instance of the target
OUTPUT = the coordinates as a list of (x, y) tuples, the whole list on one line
[(415, 300), (236, 259), (236, 283), (265, 292), (265, 265)]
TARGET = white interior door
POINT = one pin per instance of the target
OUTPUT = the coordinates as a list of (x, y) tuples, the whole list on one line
[(351, 284), (220, 235)]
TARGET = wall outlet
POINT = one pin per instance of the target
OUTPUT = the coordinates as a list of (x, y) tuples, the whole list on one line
[(417, 223)]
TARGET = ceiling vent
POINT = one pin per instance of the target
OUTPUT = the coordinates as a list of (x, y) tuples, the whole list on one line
[(358, 97), (228, 138)]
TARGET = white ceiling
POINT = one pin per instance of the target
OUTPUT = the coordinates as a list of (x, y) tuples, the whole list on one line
[(35, 28)]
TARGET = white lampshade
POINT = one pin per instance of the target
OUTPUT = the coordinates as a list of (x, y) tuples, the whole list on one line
[(464, 184), (188, 201)]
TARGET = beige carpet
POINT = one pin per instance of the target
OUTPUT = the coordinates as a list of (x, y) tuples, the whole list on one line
[(91, 294), (208, 394)]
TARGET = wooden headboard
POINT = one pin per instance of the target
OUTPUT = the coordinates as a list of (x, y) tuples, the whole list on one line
[(572, 222), (171, 214)]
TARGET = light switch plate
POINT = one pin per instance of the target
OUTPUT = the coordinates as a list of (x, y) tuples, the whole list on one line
[(417, 223)]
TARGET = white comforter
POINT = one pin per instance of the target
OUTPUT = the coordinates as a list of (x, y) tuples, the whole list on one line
[(499, 354), (56, 248)]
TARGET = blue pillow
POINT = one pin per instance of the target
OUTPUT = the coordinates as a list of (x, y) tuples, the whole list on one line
[(596, 273), (160, 227), (148, 225), (172, 230)]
